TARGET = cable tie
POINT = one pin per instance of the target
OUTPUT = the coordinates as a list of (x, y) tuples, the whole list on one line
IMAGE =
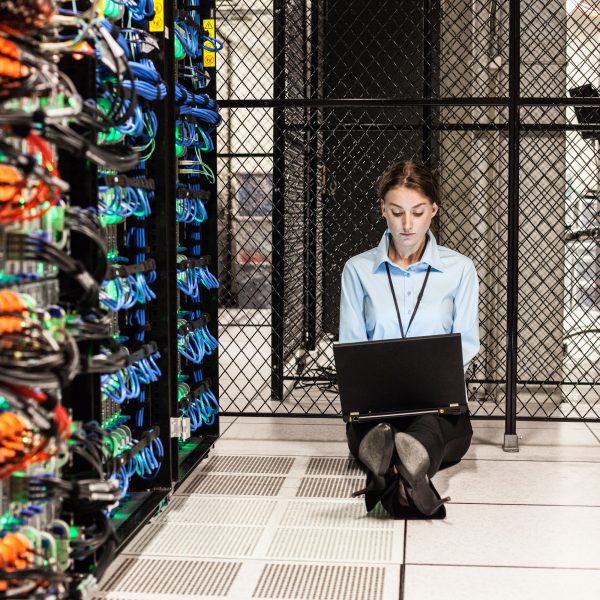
[(188, 263), (188, 20), (126, 270), (146, 350), (124, 181), (193, 325), (203, 387), (127, 455), (183, 194)]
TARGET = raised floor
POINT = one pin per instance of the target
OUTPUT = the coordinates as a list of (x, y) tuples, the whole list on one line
[(269, 515)]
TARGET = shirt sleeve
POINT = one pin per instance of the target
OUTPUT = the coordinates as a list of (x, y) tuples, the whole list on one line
[(466, 313), (352, 320)]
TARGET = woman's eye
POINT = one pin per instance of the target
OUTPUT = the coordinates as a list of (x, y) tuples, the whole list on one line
[(396, 214), (418, 214)]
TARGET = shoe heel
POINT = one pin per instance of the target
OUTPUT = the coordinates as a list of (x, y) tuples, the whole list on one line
[(376, 449), (376, 485)]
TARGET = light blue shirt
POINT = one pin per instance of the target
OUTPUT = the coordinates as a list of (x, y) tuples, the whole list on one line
[(449, 303)]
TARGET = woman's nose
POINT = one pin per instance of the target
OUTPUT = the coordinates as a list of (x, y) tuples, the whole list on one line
[(406, 222)]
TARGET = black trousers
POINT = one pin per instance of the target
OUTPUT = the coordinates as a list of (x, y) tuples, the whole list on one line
[(446, 438)]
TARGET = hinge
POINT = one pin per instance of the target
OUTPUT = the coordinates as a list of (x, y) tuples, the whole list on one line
[(181, 428)]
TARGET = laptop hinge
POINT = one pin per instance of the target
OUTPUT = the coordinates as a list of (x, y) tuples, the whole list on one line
[(353, 416)]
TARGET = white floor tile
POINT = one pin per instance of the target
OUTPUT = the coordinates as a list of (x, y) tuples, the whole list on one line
[(227, 419), (279, 448), (477, 583), (595, 427), (537, 444), (286, 431), (522, 424), (519, 536), (521, 482), (291, 420)]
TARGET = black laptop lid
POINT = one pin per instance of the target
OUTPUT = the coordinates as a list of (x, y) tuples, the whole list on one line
[(400, 375)]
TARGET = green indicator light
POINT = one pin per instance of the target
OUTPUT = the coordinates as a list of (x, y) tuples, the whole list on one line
[(73, 532)]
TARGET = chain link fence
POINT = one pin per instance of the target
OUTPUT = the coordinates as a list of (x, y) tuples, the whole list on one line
[(319, 97)]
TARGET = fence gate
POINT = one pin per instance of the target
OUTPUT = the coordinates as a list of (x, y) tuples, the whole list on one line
[(499, 98)]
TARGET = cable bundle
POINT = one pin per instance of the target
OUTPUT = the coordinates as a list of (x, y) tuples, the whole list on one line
[(125, 384), (199, 106), (31, 353), (201, 409), (190, 278), (190, 210), (26, 247), (32, 427), (195, 343), (124, 293), (26, 14), (28, 188), (140, 10)]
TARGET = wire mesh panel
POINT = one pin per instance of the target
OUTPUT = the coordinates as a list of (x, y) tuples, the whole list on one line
[(320, 96)]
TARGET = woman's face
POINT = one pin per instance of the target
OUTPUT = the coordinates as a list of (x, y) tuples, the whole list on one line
[(408, 214)]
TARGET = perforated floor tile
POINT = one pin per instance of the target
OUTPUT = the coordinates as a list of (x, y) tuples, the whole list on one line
[(184, 539), (371, 545), (334, 514), (221, 510), (272, 465), (234, 485), (329, 487), (320, 582), (334, 466), (170, 576), (258, 527)]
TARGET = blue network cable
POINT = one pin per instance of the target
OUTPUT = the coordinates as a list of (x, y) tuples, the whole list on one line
[(140, 10), (190, 210)]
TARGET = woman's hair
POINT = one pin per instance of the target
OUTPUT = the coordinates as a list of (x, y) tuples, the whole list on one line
[(412, 175)]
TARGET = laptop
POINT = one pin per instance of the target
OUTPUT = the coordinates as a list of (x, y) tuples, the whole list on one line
[(401, 377)]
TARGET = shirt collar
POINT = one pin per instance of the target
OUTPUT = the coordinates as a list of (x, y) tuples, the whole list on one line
[(431, 256)]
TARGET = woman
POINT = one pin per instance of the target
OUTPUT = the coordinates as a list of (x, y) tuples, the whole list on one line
[(409, 286)]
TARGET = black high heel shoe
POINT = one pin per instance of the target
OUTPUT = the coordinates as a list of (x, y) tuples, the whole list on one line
[(413, 464), (375, 452)]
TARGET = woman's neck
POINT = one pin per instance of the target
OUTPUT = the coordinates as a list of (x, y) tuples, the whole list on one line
[(406, 261)]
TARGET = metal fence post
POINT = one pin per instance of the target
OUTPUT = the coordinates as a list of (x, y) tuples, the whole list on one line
[(278, 305), (510, 433)]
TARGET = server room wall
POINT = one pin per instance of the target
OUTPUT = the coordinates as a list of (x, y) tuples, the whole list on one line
[(108, 304)]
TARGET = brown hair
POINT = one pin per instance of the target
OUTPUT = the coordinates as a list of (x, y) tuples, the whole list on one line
[(412, 175)]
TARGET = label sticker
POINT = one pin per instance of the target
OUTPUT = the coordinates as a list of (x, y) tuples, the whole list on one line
[(158, 23), (209, 59)]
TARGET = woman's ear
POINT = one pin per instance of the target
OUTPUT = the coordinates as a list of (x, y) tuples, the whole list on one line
[(382, 207), (435, 209)]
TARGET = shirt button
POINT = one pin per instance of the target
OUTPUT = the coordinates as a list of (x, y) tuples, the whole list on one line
[(408, 293)]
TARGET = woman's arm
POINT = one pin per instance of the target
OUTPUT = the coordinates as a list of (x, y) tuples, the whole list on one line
[(466, 314), (352, 320)]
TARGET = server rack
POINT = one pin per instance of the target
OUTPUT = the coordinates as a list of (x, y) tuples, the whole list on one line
[(154, 422)]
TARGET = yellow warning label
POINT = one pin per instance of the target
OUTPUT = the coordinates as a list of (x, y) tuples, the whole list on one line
[(209, 59), (158, 23)]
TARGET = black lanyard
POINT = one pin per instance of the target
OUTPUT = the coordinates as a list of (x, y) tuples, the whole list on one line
[(387, 267)]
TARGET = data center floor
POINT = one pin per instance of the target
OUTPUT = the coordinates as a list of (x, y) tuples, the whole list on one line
[(268, 515)]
